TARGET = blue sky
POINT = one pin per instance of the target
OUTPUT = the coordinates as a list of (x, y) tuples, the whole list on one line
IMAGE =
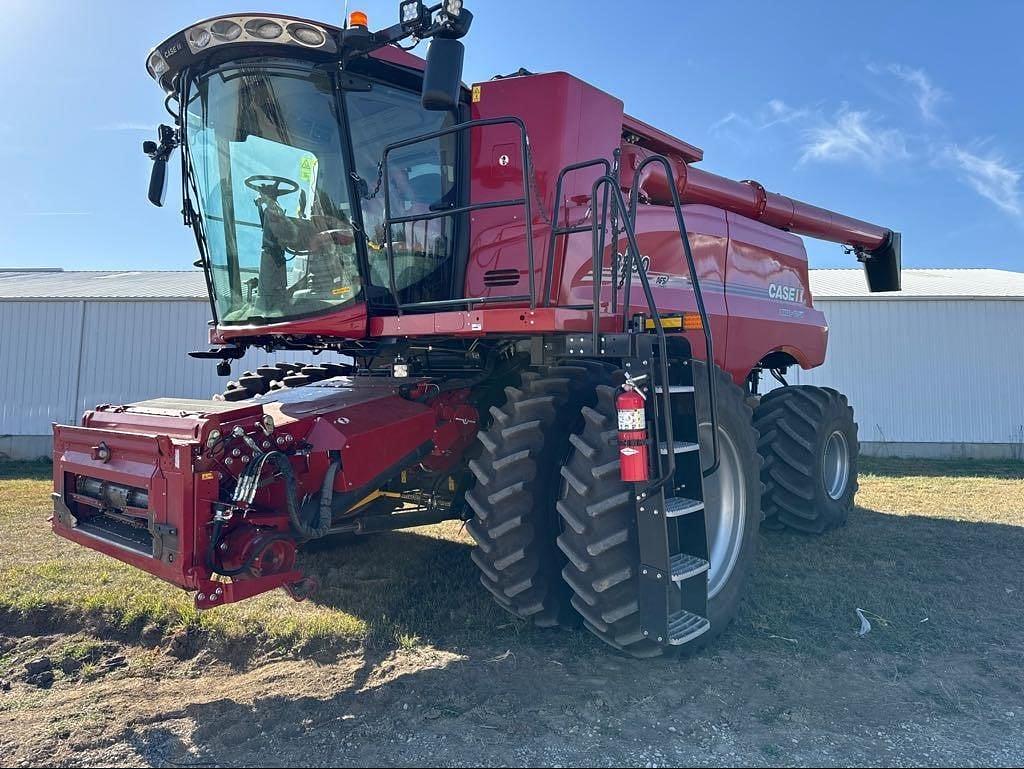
[(906, 114)]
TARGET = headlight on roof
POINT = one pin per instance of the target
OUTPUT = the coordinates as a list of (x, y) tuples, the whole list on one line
[(307, 35), (264, 29), (199, 38), (156, 64), (226, 30)]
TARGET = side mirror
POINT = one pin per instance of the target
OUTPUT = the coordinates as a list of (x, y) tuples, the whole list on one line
[(158, 183), (160, 153), (442, 79)]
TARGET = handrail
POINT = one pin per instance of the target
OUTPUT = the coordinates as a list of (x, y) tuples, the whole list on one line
[(524, 145), (556, 231), (634, 200), (614, 194)]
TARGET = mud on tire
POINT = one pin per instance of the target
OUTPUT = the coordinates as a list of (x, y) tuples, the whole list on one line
[(809, 444), (513, 501)]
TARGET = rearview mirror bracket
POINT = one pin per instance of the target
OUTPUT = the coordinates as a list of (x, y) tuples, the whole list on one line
[(160, 153)]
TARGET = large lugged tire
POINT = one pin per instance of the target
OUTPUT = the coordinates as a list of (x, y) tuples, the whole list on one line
[(599, 534), (809, 444), (513, 501)]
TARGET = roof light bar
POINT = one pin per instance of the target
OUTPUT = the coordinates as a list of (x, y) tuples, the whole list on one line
[(253, 29)]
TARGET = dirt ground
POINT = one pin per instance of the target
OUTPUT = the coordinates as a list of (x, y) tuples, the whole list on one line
[(932, 555)]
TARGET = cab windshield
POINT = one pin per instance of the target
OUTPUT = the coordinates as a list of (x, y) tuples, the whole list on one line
[(270, 164)]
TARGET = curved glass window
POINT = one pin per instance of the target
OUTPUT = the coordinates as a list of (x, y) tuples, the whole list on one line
[(268, 163)]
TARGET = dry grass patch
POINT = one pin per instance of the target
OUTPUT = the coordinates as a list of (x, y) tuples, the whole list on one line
[(932, 551)]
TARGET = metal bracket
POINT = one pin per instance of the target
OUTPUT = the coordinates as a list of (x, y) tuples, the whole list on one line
[(165, 541), (653, 600), (62, 512), (609, 345)]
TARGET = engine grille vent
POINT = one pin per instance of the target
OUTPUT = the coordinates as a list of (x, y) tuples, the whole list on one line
[(502, 278)]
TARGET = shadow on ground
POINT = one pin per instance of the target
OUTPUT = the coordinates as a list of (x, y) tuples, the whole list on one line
[(935, 681)]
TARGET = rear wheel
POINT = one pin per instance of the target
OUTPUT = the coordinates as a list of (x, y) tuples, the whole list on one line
[(599, 521), (513, 502), (809, 444)]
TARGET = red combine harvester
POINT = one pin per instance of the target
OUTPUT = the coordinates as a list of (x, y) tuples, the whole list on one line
[(509, 278)]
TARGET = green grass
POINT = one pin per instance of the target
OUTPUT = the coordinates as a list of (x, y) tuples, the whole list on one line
[(932, 552)]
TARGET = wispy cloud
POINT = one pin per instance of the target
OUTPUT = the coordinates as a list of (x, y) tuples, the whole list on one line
[(780, 113), (853, 136), (927, 95), (991, 177), (126, 126), (731, 119), (775, 112)]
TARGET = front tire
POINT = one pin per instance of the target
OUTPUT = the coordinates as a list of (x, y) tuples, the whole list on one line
[(513, 502), (809, 444), (599, 520)]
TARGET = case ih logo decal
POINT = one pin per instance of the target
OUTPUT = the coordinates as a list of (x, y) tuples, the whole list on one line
[(782, 293)]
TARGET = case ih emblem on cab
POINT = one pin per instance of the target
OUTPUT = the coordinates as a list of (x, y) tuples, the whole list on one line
[(450, 253)]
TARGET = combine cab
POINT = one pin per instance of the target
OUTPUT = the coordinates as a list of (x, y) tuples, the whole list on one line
[(540, 316)]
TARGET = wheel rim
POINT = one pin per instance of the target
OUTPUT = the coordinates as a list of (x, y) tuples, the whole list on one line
[(836, 465), (725, 504)]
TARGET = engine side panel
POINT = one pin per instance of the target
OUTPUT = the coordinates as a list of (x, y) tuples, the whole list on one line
[(768, 298)]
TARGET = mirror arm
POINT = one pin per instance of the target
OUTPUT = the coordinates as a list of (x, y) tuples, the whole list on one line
[(169, 141)]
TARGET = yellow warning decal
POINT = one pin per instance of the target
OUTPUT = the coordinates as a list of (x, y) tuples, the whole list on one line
[(341, 291), (476, 94), (208, 476), (306, 168)]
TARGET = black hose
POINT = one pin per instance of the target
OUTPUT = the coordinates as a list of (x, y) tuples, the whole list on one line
[(303, 523), (326, 509)]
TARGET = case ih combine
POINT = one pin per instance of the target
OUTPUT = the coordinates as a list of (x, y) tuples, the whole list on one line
[(517, 272)]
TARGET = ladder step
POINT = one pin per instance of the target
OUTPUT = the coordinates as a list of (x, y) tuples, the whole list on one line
[(685, 566), (677, 506), (674, 389), (678, 447), (684, 626)]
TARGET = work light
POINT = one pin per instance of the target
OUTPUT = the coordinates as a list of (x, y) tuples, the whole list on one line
[(226, 30), (265, 29), (200, 38), (413, 16), (453, 8), (307, 35)]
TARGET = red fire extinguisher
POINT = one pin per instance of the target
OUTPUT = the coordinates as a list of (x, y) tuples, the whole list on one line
[(634, 460)]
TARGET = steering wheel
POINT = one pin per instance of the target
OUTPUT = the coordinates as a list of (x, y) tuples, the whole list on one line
[(273, 187)]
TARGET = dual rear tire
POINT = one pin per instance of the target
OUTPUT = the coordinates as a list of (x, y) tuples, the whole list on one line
[(556, 527)]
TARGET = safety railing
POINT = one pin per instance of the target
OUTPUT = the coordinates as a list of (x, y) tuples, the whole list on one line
[(698, 294), (523, 201), (612, 205)]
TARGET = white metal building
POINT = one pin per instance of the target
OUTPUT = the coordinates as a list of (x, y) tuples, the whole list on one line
[(934, 371)]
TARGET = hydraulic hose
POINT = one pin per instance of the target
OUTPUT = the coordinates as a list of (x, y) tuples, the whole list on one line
[(309, 521)]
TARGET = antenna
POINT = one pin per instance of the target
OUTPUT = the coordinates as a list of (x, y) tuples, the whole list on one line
[(344, 18)]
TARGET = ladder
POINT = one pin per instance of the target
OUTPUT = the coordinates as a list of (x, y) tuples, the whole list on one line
[(670, 513)]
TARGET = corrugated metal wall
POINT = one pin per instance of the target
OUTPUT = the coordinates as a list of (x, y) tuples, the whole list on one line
[(916, 371), (921, 371), (61, 358)]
